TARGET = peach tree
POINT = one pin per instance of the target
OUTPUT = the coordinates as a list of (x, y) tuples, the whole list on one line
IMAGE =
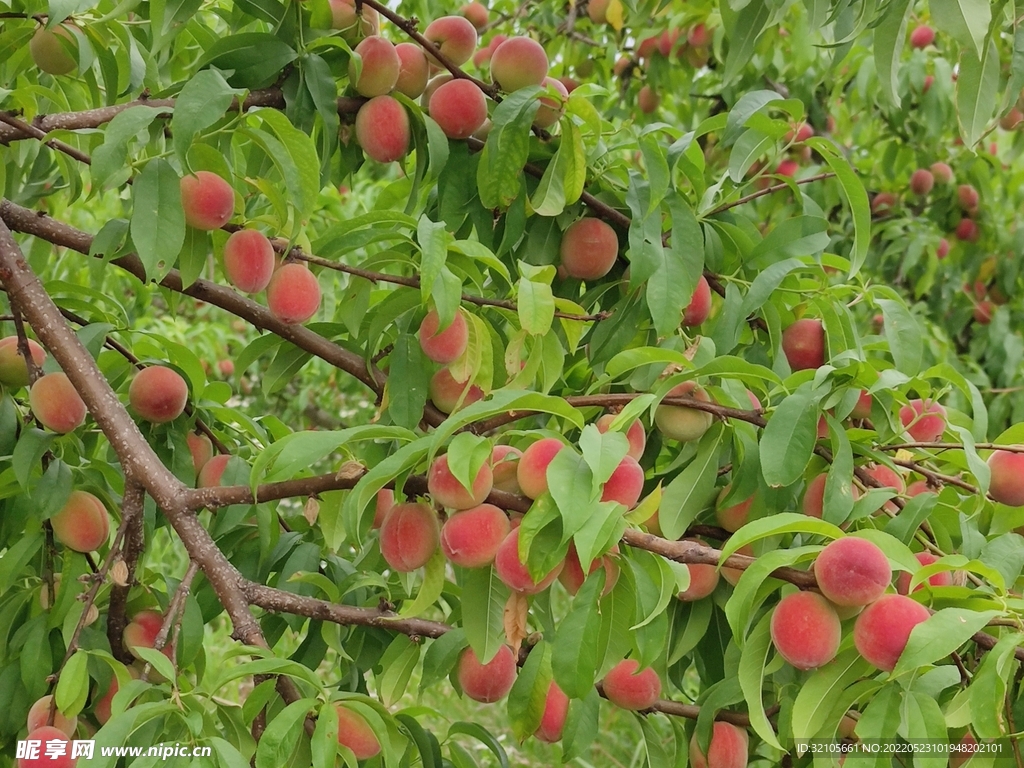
[(361, 359)]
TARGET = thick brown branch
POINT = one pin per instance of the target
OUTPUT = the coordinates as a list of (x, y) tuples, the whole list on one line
[(117, 617)]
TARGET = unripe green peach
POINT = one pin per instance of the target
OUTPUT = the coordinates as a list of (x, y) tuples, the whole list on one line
[(207, 200), (679, 422), (293, 294), (380, 67), (343, 13), (158, 394), (56, 403), (248, 260), (13, 368), (519, 62), (54, 51)]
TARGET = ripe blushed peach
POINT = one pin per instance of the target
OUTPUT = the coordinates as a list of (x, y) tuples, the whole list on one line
[(942, 172), (248, 260), (343, 14), (922, 36), (490, 682), (39, 713), (967, 746), (556, 709), (887, 478), (293, 295), (54, 51), (380, 69), (551, 108), (383, 503), (983, 311), (446, 392), (967, 231), (82, 524), (883, 628), (918, 487), (727, 749), (471, 538), (408, 536), (207, 200), (445, 346), (458, 107), (629, 687), (787, 167), (504, 468), (355, 733), (648, 99), (699, 308), (814, 496), (1007, 485), (806, 630), (475, 13), (625, 484), (102, 708), (680, 422), (432, 85), (803, 343), (597, 10), (533, 466), (142, 630), (862, 410), (519, 62), (45, 735), (13, 368), (572, 575), (414, 70), (943, 579), (942, 249), (210, 474), (852, 571), (447, 491), (735, 516), (158, 394), (703, 580), (589, 249), (635, 434), (56, 403), (967, 196), (647, 48), (925, 421), (455, 36), (921, 182), (512, 571)]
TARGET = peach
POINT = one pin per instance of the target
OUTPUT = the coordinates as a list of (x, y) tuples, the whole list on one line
[(967, 231), (39, 715), (735, 516), (54, 51), (922, 36), (648, 99), (226, 367), (504, 468), (925, 421), (446, 392), (210, 474), (728, 748), (625, 484), (383, 503), (699, 308), (207, 200), (680, 422), (413, 71), (883, 202), (343, 15), (1011, 119), (967, 196), (883, 628), (597, 10), (158, 394), (629, 687), (13, 368), (447, 345), (703, 580), (862, 410), (102, 707), (355, 733), (803, 343), (82, 524), (490, 682), (432, 85), (447, 491), (572, 575), (966, 747), (806, 630), (142, 630), (556, 709), (512, 571), (942, 249), (887, 477), (56, 403), (455, 36), (635, 434), (570, 83), (42, 737), (699, 36), (921, 182), (408, 536), (293, 295), (852, 571), (380, 69), (533, 466), (942, 172), (475, 13), (519, 62), (787, 167), (551, 108), (248, 260), (918, 487), (621, 65), (943, 579), (732, 575), (814, 496), (589, 249), (1007, 484), (983, 312), (458, 107), (471, 538)]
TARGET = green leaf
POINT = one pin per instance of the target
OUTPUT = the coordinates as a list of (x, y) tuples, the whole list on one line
[(904, 336), (693, 488), (748, 104), (536, 307), (574, 658), (787, 442), (743, 35), (483, 609), (987, 692), (279, 740), (940, 635), (398, 662), (529, 692), (158, 222), (819, 691), (430, 589), (965, 20), (111, 156), (202, 102), (751, 677), (441, 656), (73, 686), (777, 525), (856, 197), (890, 32), (482, 735), (304, 188), (976, 89), (255, 57)]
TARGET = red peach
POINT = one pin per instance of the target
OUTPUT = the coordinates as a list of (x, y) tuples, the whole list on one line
[(446, 392), (490, 682), (533, 466), (922, 36), (82, 524), (703, 580), (852, 571), (293, 295), (471, 538), (680, 422), (625, 484), (355, 733), (556, 709), (883, 629), (1007, 484), (921, 182), (207, 200), (380, 67), (803, 343), (385, 500), (629, 687), (455, 36), (635, 434), (39, 715), (942, 172), (447, 491), (475, 13), (572, 575), (444, 346), (925, 421), (408, 536), (210, 474), (56, 403), (942, 579), (382, 129), (43, 739), (201, 449), (735, 516), (728, 748), (699, 308), (805, 630), (589, 249), (158, 394), (413, 72), (458, 107), (504, 468), (519, 62), (13, 368), (512, 571)]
